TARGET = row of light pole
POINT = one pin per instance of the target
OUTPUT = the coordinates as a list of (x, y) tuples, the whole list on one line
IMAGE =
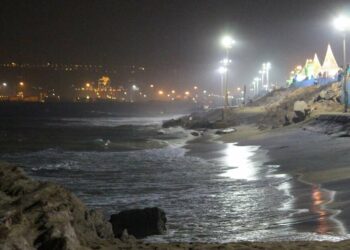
[(264, 80)]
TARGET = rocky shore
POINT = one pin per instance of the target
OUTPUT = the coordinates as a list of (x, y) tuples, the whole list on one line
[(41, 215), (282, 107)]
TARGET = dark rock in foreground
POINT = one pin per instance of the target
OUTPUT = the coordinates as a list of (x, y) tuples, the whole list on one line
[(41, 215), (139, 222)]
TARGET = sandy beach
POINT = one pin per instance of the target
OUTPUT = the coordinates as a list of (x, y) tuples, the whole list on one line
[(316, 158)]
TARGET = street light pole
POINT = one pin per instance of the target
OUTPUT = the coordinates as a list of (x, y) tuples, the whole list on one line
[(344, 50), (345, 89), (226, 80), (342, 23), (227, 42)]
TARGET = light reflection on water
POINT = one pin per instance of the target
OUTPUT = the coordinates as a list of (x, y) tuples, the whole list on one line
[(240, 158)]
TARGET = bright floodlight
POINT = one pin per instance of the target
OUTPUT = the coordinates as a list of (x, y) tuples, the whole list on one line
[(222, 70), (342, 23), (227, 42), (268, 65)]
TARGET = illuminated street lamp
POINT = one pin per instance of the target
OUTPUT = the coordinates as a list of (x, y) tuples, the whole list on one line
[(342, 23), (21, 84), (4, 84), (160, 92), (227, 42)]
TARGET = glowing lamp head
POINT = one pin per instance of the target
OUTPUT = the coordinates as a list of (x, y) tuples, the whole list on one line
[(21, 84), (4, 84), (187, 93), (87, 85), (222, 70), (227, 42), (173, 91), (342, 23), (160, 92)]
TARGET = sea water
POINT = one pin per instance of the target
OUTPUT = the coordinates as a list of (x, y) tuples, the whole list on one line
[(210, 191)]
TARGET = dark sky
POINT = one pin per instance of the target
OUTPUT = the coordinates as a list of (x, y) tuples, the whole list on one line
[(177, 35)]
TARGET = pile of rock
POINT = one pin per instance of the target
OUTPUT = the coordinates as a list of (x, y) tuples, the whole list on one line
[(296, 105), (41, 215)]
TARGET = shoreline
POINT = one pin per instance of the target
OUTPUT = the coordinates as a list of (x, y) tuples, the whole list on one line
[(337, 232), (278, 140)]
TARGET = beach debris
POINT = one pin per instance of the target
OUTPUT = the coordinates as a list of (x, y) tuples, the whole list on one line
[(139, 222), (195, 133), (161, 132), (225, 131)]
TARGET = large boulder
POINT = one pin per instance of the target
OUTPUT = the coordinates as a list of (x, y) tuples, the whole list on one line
[(139, 222), (41, 215), (301, 110)]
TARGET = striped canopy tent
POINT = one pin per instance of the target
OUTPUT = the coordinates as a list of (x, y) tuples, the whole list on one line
[(330, 65), (317, 66)]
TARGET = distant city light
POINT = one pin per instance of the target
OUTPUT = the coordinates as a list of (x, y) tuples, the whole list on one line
[(134, 87), (204, 91), (4, 84), (173, 91), (87, 85), (195, 87), (21, 83), (187, 93), (160, 92), (151, 86)]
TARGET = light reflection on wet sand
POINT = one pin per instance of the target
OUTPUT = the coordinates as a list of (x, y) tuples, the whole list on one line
[(317, 216), (326, 218)]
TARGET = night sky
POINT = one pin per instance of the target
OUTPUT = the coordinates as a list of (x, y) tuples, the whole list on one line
[(179, 36)]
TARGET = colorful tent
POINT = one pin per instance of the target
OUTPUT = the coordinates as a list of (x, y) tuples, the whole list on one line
[(330, 66), (317, 66)]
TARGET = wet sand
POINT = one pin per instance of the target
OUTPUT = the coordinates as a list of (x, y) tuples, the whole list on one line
[(319, 160)]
